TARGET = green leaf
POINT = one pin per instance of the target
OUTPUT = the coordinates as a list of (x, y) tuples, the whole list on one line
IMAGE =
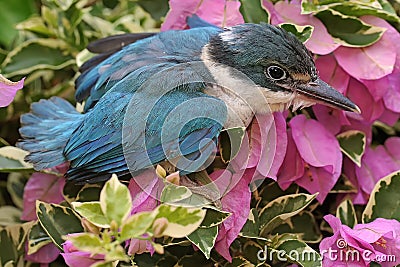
[(15, 187), (88, 242), (343, 185), (253, 12), (157, 9), (36, 25), (303, 33), (316, 6), (282, 208), (352, 143), (115, 200), (214, 217), (348, 30), (298, 252), (65, 4), (137, 225), (92, 212), (204, 239), (252, 225), (181, 220), (37, 238), (12, 159), (102, 264), (386, 6), (37, 54), (9, 215), (303, 225), (174, 193), (239, 261), (50, 16), (8, 250), (384, 201), (116, 253), (230, 141), (11, 13), (90, 192), (12, 242), (353, 9), (57, 221), (346, 213)]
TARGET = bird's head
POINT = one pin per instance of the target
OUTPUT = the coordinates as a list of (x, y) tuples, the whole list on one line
[(278, 64)]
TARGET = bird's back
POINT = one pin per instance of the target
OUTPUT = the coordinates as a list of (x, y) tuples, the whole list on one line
[(158, 51)]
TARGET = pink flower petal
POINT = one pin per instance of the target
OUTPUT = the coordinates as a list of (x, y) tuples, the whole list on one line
[(293, 165), (45, 254), (218, 12), (389, 117), (281, 145), (320, 42), (74, 257), (378, 88), (274, 16), (374, 61), (318, 180), (81, 259), (317, 146), (372, 231), (332, 73), (391, 34), (260, 148), (358, 93), (391, 98), (377, 163), (342, 236), (359, 198), (8, 89), (137, 246), (332, 119), (263, 143), (223, 13), (145, 190), (236, 201), (44, 187), (177, 14), (358, 123)]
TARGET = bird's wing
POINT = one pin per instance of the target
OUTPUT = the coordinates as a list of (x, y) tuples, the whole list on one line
[(122, 136), (102, 72)]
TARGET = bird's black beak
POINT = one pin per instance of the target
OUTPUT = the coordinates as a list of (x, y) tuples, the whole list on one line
[(323, 93)]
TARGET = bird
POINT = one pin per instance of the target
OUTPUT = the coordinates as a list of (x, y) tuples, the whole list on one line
[(152, 98)]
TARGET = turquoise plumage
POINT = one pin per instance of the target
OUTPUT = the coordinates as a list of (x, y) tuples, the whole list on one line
[(92, 142)]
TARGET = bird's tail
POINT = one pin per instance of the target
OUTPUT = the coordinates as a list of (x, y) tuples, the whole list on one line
[(46, 130)]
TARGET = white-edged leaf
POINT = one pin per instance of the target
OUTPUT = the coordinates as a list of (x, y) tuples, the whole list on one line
[(384, 201), (115, 200), (92, 212), (352, 144)]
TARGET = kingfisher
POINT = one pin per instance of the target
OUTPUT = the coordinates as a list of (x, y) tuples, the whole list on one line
[(165, 97)]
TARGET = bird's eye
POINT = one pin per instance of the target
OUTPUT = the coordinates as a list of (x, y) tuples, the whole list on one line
[(275, 73)]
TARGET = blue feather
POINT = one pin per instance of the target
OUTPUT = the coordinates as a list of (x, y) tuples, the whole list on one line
[(119, 91), (46, 130)]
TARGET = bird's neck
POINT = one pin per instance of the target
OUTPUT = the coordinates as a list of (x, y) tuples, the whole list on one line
[(232, 90)]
